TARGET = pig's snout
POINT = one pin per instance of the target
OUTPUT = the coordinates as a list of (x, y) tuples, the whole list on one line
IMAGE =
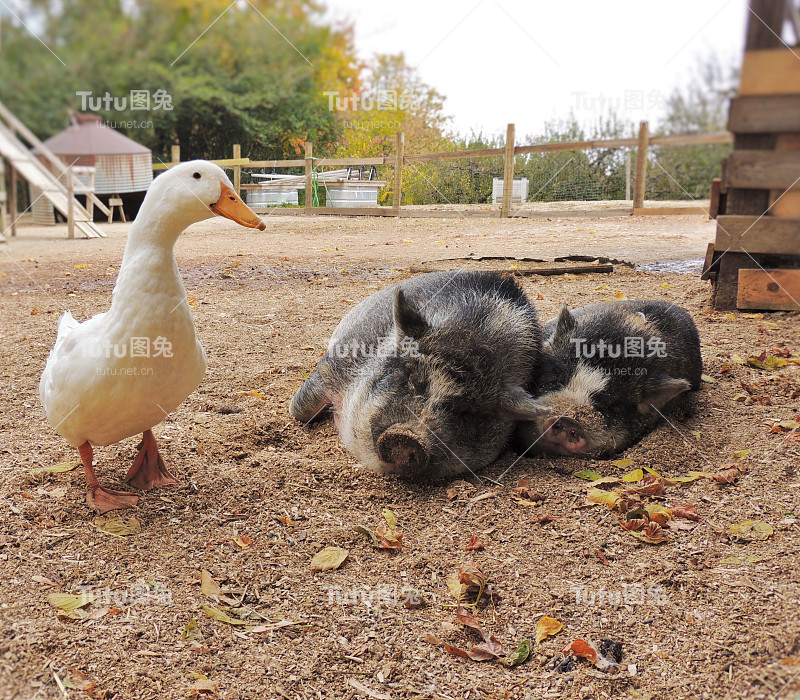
[(404, 450), (565, 433)]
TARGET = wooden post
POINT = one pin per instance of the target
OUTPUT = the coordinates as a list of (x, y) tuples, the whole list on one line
[(627, 174), (12, 198), (90, 188), (641, 166), (309, 176), (237, 170), (70, 205), (508, 172), (175, 154), (399, 152)]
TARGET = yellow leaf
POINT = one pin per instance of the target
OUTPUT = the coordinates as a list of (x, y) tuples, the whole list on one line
[(390, 517), (453, 582), (696, 433), (56, 468), (730, 316), (547, 627), (751, 530), (635, 475), (208, 585), (68, 601), (218, 614), (329, 558), (741, 453), (708, 379), (609, 498), (603, 480), (117, 526), (622, 463), (652, 471)]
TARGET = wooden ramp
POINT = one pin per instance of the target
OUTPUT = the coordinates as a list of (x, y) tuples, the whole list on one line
[(30, 167)]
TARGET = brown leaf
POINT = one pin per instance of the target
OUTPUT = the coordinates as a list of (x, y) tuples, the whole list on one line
[(329, 558), (473, 544), (472, 577), (729, 474), (388, 537), (635, 524), (455, 651), (433, 639), (652, 534), (688, 512)]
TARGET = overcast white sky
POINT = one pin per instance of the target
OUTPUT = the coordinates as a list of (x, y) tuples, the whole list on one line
[(527, 62)]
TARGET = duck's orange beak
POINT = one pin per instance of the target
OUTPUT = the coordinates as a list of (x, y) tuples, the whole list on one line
[(231, 206)]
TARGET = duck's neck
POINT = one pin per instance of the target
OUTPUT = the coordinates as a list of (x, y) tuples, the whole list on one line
[(148, 266)]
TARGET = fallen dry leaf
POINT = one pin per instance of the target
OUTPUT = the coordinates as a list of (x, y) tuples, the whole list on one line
[(547, 627), (329, 558), (751, 530), (652, 534), (474, 544), (582, 649), (688, 512), (117, 526)]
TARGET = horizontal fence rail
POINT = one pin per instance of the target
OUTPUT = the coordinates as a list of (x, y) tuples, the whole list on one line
[(641, 144)]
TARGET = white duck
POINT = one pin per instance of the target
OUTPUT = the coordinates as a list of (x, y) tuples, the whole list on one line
[(121, 372)]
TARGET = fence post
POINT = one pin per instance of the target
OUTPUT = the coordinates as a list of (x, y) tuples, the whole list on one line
[(641, 166), (237, 169), (70, 205), (508, 173), (399, 152), (309, 176), (175, 154), (627, 174)]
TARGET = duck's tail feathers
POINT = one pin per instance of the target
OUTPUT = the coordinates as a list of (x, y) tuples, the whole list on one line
[(66, 324)]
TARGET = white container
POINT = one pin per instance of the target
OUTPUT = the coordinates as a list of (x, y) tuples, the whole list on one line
[(273, 197), (356, 194), (519, 190)]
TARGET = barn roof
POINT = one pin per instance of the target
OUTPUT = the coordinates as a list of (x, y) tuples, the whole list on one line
[(87, 135)]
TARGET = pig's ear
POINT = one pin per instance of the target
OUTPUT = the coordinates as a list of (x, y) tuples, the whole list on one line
[(407, 317), (565, 327), (661, 391), (517, 404)]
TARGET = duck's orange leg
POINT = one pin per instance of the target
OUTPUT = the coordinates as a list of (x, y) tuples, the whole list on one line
[(148, 468), (97, 497)]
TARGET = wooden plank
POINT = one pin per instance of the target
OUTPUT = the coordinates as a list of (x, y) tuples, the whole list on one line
[(692, 139), (237, 169), (221, 162), (751, 234), (381, 160), (764, 24), (747, 201), (508, 172), (771, 72), (309, 176), (175, 154), (70, 205), (670, 211), (714, 198), (640, 184), (770, 290), (760, 169), (767, 113), (399, 148), (297, 163), (781, 203), (707, 272)]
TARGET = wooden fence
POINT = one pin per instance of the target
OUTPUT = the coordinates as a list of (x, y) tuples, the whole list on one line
[(642, 145)]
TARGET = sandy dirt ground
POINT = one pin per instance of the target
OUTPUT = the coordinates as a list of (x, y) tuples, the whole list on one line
[(707, 614)]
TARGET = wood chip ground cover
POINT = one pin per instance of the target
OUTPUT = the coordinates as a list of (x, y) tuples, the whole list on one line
[(710, 613)]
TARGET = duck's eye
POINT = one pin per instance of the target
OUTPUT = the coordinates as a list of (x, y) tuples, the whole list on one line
[(196, 176)]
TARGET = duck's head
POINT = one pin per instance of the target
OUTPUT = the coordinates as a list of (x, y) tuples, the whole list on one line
[(198, 190)]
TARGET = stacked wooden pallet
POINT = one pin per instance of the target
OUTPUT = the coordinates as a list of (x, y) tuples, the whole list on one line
[(755, 260)]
